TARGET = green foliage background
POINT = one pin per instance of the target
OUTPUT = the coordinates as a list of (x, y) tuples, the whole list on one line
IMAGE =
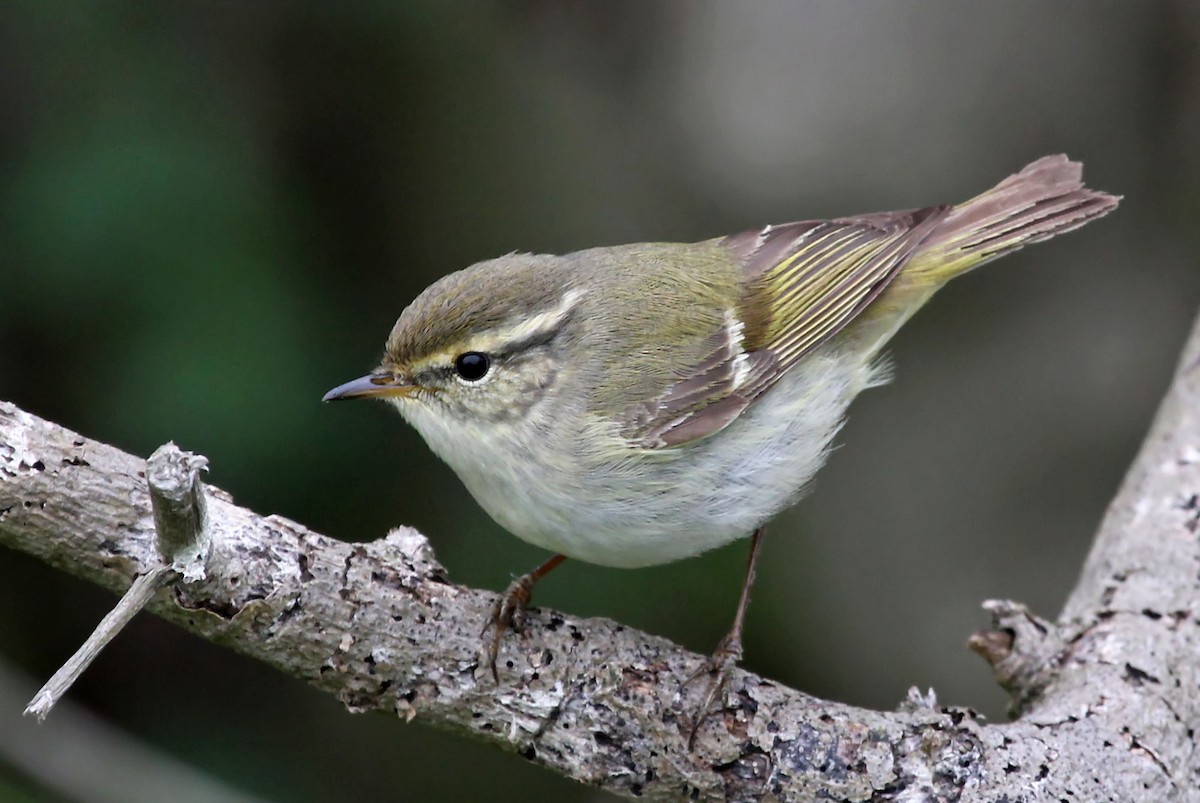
[(212, 212)]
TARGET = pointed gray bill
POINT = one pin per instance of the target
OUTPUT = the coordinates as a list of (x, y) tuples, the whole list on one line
[(370, 386)]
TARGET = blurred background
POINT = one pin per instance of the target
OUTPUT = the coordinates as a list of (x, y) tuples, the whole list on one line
[(212, 212)]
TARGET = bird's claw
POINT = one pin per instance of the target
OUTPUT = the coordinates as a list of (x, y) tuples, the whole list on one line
[(718, 667), (508, 613)]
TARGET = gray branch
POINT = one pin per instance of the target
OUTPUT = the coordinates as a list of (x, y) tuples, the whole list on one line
[(177, 499), (1105, 700)]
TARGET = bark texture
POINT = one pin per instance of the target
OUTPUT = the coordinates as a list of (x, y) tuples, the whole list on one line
[(1106, 700)]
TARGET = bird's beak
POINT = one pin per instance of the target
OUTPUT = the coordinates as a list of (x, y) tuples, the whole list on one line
[(371, 386)]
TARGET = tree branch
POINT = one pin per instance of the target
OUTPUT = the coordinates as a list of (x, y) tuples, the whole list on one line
[(1106, 698), (177, 499)]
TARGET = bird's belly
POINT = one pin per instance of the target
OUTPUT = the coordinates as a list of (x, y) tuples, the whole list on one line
[(658, 506), (648, 507)]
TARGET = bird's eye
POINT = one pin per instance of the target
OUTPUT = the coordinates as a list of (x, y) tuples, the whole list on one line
[(472, 366)]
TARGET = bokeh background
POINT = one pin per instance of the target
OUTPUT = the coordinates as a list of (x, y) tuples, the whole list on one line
[(212, 212)]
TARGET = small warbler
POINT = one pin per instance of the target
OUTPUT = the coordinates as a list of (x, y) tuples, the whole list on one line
[(633, 405)]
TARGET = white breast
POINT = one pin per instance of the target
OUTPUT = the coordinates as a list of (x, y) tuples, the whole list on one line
[(631, 508)]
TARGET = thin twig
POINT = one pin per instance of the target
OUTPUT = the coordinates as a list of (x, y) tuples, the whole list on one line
[(82, 756), (134, 600), (180, 519)]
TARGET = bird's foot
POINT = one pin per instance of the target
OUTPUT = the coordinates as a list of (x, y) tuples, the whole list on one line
[(507, 614), (717, 668)]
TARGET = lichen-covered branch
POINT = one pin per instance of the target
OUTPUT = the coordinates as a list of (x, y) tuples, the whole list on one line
[(1106, 698), (177, 499)]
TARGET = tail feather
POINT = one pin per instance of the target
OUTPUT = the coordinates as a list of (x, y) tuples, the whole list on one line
[(1045, 199)]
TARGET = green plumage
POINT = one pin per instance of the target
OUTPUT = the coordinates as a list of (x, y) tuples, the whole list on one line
[(689, 335)]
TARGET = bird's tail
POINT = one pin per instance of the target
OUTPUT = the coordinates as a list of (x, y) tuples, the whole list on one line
[(1042, 201), (1045, 199)]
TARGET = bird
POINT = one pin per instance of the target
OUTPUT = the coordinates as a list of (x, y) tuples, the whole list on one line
[(634, 405)]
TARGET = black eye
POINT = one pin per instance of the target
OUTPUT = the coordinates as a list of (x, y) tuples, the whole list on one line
[(472, 366)]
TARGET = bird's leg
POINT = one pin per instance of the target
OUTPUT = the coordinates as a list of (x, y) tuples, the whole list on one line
[(508, 612), (729, 649)]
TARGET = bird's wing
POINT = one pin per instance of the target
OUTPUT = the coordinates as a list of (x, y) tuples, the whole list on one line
[(803, 283)]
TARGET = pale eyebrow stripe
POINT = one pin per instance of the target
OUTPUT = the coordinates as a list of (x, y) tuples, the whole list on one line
[(538, 327)]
